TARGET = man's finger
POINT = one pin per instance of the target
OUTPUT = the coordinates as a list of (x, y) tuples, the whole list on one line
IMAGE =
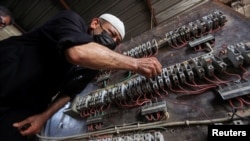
[(25, 126), (22, 125)]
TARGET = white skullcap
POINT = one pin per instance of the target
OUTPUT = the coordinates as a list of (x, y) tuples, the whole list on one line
[(116, 22)]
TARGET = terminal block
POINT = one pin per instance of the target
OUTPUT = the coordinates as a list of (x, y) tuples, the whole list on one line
[(138, 137), (94, 119), (206, 62), (245, 51), (219, 64), (138, 83), (128, 86), (173, 37), (128, 138), (166, 78), (100, 98), (193, 29), (137, 52), (188, 71), (234, 90), (113, 92), (92, 100), (94, 122), (145, 49), (202, 40), (160, 80), (177, 69), (173, 75), (234, 55), (154, 46), (201, 26), (118, 139), (154, 107), (154, 84), (196, 29), (178, 36), (122, 95), (81, 102), (215, 21), (143, 136), (209, 22), (146, 85), (197, 66), (186, 30), (183, 33), (154, 136), (168, 39), (158, 136), (133, 88), (222, 18), (149, 137)]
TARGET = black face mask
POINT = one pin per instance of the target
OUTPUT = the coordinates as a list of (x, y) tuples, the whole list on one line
[(105, 39)]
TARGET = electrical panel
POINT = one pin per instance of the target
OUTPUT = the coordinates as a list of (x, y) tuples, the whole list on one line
[(198, 69)]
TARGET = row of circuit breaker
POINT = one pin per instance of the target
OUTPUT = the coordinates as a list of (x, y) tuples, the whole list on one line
[(207, 24), (181, 35), (193, 34), (190, 70), (154, 136)]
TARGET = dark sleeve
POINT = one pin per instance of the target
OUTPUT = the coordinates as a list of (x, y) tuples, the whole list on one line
[(77, 79), (67, 29)]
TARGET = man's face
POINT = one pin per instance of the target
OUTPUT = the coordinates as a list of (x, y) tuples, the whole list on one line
[(109, 29), (4, 21)]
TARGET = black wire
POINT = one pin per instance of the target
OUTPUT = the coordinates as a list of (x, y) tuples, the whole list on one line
[(234, 113)]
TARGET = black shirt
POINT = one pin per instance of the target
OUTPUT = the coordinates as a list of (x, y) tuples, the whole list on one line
[(33, 66)]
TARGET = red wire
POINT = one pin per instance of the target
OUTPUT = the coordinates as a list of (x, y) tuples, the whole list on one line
[(222, 81), (179, 46), (215, 82), (199, 85), (192, 91), (244, 101), (246, 73), (158, 116), (84, 114), (232, 74), (148, 117), (234, 106)]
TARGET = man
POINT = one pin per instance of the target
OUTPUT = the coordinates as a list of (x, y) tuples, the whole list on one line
[(37, 65), (6, 17)]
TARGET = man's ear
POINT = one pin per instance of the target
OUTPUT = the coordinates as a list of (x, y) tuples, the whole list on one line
[(94, 23)]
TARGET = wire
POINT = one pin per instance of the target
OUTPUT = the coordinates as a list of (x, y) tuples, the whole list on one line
[(138, 126)]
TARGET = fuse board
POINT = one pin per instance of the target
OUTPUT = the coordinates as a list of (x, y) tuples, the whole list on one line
[(205, 80)]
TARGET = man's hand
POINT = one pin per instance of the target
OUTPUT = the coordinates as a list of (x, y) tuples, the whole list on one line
[(96, 56), (33, 124), (149, 67), (30, 125)]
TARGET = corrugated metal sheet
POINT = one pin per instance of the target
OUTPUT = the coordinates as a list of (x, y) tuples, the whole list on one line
[(165, 10), (138, 15)]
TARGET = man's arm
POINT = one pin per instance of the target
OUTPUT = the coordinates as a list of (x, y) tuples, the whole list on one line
[(55, 106), (35, 123), (96, 56)]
